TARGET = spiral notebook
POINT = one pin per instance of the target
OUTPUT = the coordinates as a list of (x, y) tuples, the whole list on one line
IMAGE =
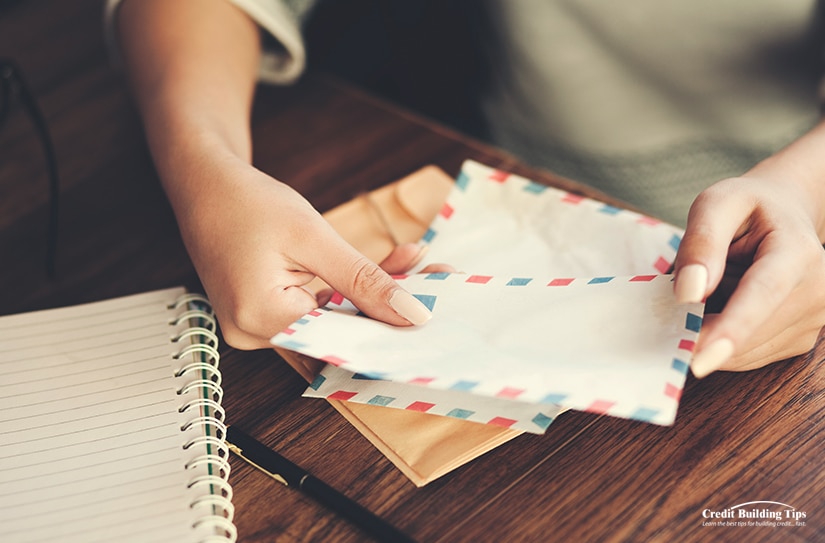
[(111, 426)]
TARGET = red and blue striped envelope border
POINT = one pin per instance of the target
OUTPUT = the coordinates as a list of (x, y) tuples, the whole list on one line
[(635, 242), (645, 385)]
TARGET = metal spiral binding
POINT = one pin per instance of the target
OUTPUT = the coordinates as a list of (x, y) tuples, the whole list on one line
[(205, 450)]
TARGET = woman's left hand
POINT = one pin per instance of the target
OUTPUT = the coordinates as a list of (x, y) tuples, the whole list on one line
[(753, 244)]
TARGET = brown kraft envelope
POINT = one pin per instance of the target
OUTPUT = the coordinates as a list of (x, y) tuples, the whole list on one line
[(423, 446)]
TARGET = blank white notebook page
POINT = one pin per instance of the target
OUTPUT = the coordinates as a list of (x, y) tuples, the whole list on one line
[(91, 439)]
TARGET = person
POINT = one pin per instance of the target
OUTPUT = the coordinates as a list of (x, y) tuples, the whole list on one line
[(698, 87)]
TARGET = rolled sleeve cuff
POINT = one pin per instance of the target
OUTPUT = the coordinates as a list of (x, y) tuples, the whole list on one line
[(283, 59)]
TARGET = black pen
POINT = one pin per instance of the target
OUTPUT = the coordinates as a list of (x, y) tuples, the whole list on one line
[(289, 474)]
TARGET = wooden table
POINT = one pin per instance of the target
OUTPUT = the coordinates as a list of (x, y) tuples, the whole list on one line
[(738, 437)]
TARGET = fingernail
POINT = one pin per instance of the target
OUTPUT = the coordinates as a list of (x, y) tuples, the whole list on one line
[(710, 358), (423, 249), (691, 284), (409, 307)]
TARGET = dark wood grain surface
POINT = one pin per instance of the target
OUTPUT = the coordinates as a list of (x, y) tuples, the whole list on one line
[(738, 437)]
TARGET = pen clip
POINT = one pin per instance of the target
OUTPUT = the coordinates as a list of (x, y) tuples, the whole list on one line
[(237, 450)]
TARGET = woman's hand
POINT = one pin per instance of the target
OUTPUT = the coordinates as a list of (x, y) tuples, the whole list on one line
[(257, 244), (755, 243)]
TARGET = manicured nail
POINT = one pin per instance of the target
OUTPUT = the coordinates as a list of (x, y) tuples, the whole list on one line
[(423, 250), (409, 307), (691, 284), (711, 357)]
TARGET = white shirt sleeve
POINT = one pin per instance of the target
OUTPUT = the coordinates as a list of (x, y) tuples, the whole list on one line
[(283, 59)]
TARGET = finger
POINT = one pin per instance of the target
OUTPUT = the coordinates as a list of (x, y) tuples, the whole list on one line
[(246, 325), (407, 256), (295, 302), (769, 344), (438, 268), (364, 283), (403, 258), (759, 295), (713, 223), (323, 296)]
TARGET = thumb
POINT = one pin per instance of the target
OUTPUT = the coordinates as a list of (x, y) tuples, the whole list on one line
[(365, 284)]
